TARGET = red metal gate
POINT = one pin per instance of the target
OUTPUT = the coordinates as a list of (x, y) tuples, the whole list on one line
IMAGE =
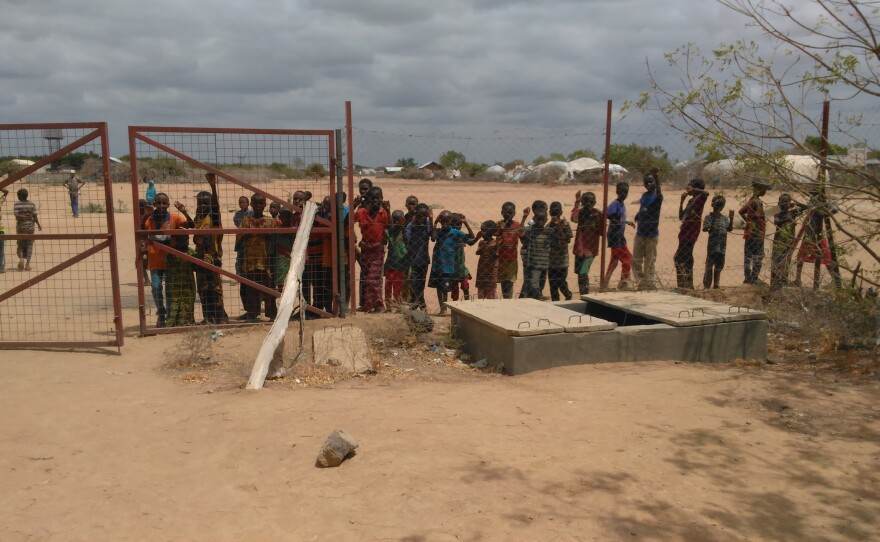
[(271, 163), (60, 286)]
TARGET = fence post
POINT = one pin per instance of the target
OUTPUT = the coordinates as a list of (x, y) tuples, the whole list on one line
[(823, 176), (605, 192), (340, 227), (350, 164)]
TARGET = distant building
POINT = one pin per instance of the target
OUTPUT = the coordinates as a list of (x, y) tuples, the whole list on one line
[(431, 166)]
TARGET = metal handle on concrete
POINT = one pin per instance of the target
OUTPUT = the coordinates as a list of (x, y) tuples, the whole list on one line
[(350, 326), (521, 324), (702, 312), (328, 327), (686, 313), (578, 316), (543, 320), (738, 308)]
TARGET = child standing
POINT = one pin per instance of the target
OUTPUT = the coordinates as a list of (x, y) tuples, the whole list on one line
[(538, 239), (157, 217), (447, 241), (508, 233), (718, 227), (617, 223), (25, 220), (209, 249), (814, 247), (255, 262), (373, 220), (410, 204), (538, 206), (590, 230), (647, 233), (180, 279), (396, 263), (73, 186), (487, 265), (462, 275), (557, 275), (3, 194), (691, 216), (783, 240), (756, 224), (418, 235)]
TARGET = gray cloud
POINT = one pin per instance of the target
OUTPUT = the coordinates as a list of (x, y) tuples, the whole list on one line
[(411, 67)]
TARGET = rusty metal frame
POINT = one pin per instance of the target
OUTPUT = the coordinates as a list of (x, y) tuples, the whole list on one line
[(99, 130), (322, 226)]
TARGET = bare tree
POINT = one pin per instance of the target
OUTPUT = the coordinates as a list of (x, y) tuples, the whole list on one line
[(758, 104)]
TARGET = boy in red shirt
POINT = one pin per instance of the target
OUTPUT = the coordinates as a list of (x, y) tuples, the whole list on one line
[(508, 233), (373, 220)]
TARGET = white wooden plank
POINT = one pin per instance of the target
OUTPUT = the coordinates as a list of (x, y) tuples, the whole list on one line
[(289, 299)]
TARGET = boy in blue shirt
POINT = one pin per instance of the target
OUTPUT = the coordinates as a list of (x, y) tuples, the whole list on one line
[(443, 268), (647, 232)]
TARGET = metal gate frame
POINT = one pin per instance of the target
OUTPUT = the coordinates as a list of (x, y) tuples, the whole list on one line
[(321, 226), (108, 240)]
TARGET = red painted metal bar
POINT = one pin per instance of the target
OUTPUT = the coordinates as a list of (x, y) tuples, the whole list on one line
[(57, 269), (605, 191), (54, 344), (135, 197), (245, 131), (111, 229), (350, 163), (334, 218), (211, 169), (225, 273), (51, 125), (52, 236), (24, 172)]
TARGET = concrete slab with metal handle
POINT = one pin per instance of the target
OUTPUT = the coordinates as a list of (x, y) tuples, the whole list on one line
[(509, 320), (673, 309), (569, 320)]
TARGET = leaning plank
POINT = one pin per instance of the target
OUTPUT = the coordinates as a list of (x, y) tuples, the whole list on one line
[(289, 299)]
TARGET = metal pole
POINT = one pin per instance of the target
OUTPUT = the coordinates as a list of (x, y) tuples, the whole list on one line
[(605, 190), (350, 163), (135, 196), (339, 216), (111, 229)]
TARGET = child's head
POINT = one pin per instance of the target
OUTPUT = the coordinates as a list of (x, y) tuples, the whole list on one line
[(374, 198), (540, 219), (650, 182), (760, 188), (364, 185), (699, 184), (556, 209), (203, 203), (274, 208), (622, 190), (298, 198), (285, 215), (160, 203), (22, 194), (411, 202), (258, 204), (307, 194), (508, 210), (243, 203), (489, 229), (397, 217), (422, 210), (142, 205), (785, 202), (455, 221), (539, 205), (325, 204), (444, 218), (718, 202), (588, 200)]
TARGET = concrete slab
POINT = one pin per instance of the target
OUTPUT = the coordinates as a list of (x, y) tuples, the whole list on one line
[(344, 346), (672, 308), (507, 318), (570, 321)]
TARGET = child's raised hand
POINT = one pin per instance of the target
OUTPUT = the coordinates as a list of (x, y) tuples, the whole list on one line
[(730, 213), (180, 207), (211, 178), (526, 212), (577, 196)]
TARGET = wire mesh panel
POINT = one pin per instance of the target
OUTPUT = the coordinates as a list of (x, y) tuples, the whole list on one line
[(59, 281), (245, 189)]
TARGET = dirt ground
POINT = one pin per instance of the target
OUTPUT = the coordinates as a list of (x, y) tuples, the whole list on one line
[(162, 443)]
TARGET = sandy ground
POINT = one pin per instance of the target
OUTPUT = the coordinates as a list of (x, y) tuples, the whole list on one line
[(98, 446)]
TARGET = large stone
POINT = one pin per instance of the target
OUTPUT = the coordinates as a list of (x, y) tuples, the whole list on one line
[(338, 446), (419, 322), (344, 347)]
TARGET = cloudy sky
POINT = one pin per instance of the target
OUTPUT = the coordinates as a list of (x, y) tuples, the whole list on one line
[(408, 66)]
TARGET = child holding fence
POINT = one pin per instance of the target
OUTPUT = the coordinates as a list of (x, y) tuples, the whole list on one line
[(209, 249), (557, 275), (462, 275), (691, 216), (590, 230), (157, 217), (443, 267), (255, 262), (180, 279), (753, 235), (783, 239), (718, 227)]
